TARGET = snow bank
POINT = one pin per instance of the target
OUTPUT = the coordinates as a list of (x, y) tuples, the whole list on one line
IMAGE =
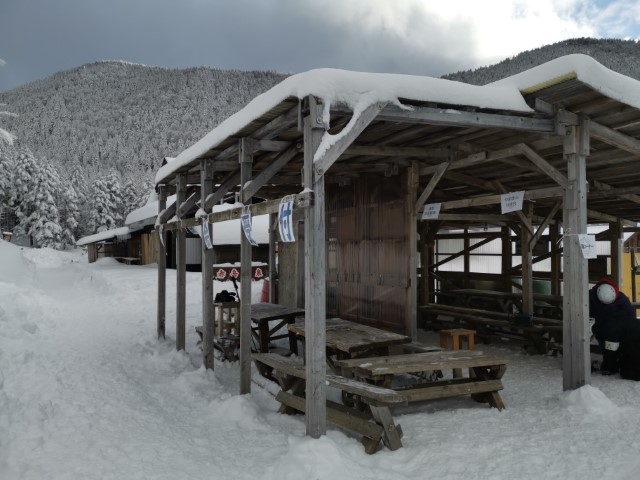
[(14, 267), (588, 400)]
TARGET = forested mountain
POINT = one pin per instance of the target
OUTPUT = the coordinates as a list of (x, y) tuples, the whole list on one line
[(622, 56), (93, 137)]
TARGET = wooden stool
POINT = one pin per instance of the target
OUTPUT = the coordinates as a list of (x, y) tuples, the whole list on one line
[(456, 334)]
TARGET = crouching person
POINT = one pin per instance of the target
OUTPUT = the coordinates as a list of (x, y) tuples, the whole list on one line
[(613, 313)]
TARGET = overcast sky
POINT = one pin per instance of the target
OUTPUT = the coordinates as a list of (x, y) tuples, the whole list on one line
[(424, 37)]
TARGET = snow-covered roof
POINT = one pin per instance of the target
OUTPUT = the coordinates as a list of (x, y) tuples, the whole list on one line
[(612, 84), (357, 90), (103, 236), (361, 90), (147, 214), (224, 233)]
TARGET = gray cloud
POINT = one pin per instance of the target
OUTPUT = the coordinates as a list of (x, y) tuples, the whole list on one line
[(40, 37)]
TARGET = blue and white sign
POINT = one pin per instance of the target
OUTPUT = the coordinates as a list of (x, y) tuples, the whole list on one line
[(511, 202), (206, 235), (431, 211), (246, 226), (285, 221)]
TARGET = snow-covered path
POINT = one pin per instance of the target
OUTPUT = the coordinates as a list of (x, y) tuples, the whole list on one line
[(88, 392)]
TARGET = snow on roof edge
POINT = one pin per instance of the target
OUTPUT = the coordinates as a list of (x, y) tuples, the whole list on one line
[(583, 67), (356, 89), (102, 236)]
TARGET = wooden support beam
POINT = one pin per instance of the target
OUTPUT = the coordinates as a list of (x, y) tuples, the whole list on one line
[(506, 258), (576, 365), (273, 238), (527, 262), (551, 192), (230, 180), (392, 151), (615, 138), (460, 118), (544, 166), (464, 251), (613, 191), (556, 260), (413, 180), (166, 213), (181, 268), (315, 281), (351, 131), (267, 174), (207, 259), (437, 175), (188, 204), (162, 266), (545, 223), (615, 238), (245, 157)]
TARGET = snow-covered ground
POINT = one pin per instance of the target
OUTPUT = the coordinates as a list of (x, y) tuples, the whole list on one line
[(88, 392)]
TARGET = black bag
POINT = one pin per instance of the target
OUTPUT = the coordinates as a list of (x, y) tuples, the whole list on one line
[(224, 296)]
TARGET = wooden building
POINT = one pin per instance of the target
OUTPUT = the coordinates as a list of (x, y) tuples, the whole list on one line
[(365, 155)]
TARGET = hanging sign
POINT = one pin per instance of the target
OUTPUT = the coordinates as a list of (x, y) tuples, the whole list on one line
[(285, 220), (511, 202), (206, 235), (246, 226), (588, 245), (431, 211)]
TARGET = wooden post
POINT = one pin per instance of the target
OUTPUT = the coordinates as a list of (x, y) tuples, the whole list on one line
[(411, 322), (245, 156), (616, 252), (300, 265), (576, 369), (527, 263), (181, 267), (425, 263), (556, 259), (315, 271), (507, 258), (466, 258), (273, 238), (162, 266), (208, 314)]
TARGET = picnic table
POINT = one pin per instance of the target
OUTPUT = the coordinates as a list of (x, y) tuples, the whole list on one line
[(263, 313), (128, 260), (347, 339)]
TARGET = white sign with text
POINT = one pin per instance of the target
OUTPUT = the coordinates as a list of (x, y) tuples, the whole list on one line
[(512, 201)]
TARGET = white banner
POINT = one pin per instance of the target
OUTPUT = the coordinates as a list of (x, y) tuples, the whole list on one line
[(588, 245), (431, 211), (285, 221), (511, 202), (206, 234), (246, 226)]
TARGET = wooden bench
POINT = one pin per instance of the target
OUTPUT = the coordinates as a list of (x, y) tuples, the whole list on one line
[(542, 336), (483, 384), (374, 422)]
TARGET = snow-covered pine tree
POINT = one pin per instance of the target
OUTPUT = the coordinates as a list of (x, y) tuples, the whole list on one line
[(130, 199), (69, 215), (106, 204), (36, 186), (44, 221)]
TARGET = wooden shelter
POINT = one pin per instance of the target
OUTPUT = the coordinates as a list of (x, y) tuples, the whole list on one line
[(362, 154)]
